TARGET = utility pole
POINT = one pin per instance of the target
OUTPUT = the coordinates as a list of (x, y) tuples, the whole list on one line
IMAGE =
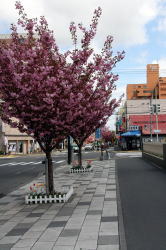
[(156, 109), (126, 116), (157, 125), (151, 138)]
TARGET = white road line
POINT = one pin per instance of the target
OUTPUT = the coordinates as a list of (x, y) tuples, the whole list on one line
[(25, 163), (20, 163), (17, 163), (59, 161), (14, 163), (138, 154), (85, 152), (35, 163), (4, 164)]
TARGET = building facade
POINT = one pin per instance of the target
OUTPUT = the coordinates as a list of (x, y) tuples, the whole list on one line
[(155, 87), (11, 139), (145, 107), (152, 122)]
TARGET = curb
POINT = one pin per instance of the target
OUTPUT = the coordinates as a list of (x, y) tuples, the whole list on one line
[(122, 238)]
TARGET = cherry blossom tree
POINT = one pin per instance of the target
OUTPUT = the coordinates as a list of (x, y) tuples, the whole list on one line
[(89, 120), (49, 94), (94, 72), (107, 134), (33, 87)]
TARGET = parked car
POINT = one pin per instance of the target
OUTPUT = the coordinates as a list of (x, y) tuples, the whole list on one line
[(75, 148), (88, 147)]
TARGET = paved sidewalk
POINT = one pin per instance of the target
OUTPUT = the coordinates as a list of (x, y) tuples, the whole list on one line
[(88, 221)]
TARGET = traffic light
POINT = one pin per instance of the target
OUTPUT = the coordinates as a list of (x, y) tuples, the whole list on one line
[(158, 108), (155, 109), (151, 109)]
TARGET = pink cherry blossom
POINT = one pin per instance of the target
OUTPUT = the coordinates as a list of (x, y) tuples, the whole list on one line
[(51, 96)]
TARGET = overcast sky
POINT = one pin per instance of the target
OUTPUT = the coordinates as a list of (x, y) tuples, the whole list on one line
[(138, 27)]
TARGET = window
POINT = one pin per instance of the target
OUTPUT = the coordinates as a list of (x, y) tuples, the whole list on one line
[(148, 91), (153, 67), (134, 127)]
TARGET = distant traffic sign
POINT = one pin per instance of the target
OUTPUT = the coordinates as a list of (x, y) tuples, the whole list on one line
[(157, 131), (98, 133)]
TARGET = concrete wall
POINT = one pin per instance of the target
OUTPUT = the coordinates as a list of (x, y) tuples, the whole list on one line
[(155, 152), (154, 159), (154, 148)]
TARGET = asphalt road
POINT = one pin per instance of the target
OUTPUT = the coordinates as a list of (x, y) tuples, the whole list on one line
[(143, 200), (18, 171)]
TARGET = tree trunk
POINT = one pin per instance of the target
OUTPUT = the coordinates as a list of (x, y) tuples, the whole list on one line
[(50, 173), (80, 155), (69, 160)]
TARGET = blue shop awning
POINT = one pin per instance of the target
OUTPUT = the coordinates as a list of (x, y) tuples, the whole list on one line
[(132, 133)]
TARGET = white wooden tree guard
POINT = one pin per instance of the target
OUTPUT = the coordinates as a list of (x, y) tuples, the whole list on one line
[(81, 170), (44, 198)]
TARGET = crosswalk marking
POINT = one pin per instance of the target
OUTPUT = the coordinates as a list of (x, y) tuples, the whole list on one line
[(27, 163)]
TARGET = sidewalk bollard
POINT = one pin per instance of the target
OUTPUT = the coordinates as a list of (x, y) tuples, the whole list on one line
[(107, 154), (101, 156)]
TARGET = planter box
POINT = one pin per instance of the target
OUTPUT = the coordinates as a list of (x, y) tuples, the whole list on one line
[(81, 170), (29, 199)]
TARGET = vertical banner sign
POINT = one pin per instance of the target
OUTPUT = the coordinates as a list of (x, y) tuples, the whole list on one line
[(98, 133)]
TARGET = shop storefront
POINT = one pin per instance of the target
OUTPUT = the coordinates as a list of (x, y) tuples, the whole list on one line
[(131, 140)]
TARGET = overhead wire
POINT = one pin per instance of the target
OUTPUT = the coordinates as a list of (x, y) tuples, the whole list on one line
[(138, 71)]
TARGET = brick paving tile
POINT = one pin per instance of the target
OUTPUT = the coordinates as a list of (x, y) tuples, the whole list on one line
[(88, 221)]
